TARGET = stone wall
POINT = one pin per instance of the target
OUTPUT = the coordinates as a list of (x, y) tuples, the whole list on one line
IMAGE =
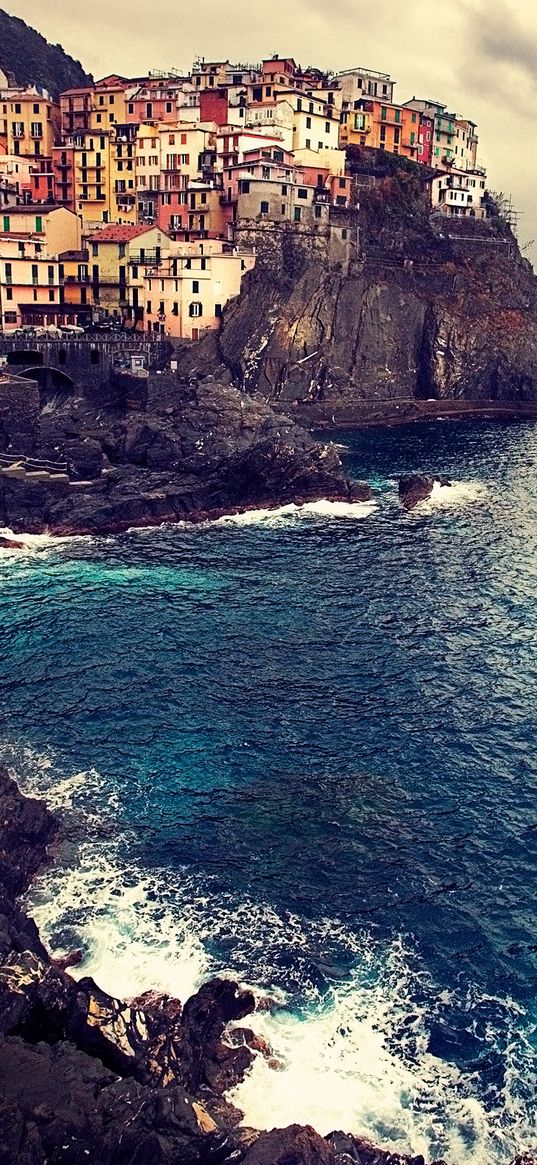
[(285, 249), (19, 414)]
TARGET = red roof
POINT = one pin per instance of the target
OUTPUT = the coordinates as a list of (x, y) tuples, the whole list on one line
[(117, 233)]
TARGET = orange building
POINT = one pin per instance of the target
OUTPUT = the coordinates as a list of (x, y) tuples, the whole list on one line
[(394, 128)]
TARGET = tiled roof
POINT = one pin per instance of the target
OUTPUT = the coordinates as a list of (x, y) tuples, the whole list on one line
[(120, 233), (32, 208)]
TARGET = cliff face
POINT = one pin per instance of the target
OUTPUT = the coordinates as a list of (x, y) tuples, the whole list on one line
[(444, 310)]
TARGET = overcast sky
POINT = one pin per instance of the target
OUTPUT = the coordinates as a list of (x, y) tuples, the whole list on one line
[(478, 56)]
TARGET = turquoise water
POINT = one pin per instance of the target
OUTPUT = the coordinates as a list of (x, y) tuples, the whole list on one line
[(299, 747)]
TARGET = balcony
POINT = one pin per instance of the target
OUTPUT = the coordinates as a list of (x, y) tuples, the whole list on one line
[(144, 258), (321, 195)]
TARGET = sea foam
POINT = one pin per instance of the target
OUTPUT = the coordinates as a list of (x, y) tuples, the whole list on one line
[(353, 1053)]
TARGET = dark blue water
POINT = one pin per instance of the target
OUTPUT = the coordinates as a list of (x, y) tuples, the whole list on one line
[(300, 748)]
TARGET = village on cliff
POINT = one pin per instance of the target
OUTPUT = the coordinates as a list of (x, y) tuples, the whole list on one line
[(138, 202)]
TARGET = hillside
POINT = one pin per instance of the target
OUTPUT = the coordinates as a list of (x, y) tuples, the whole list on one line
[(33, 61)]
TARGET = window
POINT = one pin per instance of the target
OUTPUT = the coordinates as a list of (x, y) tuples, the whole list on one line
[(297, 214), (218, 309), (344, 234), (302, 192), (284, 189), (257, 94), (35, 273), (7, 223), (95, 249), (9, 293), (195, 310), (122, 247), (10, 317), (51, 296), (383, 113), (327, 126), (264, 207), (36, 108), (195, 286), (244, 187), (318, 211), (308, 123)]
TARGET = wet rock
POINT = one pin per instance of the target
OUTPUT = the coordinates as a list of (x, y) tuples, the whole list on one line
[(295, 1145), (349, 1149), (107, 1027), (27, 828), (414, 488), (12, 543), (205, 1057)]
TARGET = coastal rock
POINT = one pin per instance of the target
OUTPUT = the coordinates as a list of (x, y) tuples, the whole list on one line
[(414, 488), (62, 1106), (26, 830), (205, 1058), (295, 1145), (195, 454), (12, 543), (427, 317)]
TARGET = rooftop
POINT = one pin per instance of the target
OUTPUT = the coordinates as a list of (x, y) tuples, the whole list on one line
[(117, 233)]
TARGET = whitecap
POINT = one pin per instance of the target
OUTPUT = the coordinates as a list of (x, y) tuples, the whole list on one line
[(290, 512), (459, 493)]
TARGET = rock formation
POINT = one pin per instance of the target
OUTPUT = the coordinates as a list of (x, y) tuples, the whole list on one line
[(427, 310), (200, 448), (85, 1077)]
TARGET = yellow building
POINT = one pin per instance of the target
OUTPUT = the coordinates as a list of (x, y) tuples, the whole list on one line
[(355, 128), (83, 170), (115, 254), (108, 106), (29, 123)]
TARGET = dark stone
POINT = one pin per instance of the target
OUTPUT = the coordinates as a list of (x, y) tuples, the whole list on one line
[(414, 488), (204, 1057), (12, 543), (295, 1145)]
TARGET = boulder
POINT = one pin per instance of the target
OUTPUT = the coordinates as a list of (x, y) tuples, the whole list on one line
[(205, 1058), (414, 488), (295, 1145)]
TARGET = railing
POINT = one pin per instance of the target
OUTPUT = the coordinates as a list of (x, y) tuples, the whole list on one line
[(32, 463)]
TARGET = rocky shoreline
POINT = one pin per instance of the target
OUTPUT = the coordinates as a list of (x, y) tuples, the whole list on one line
[(85, 1077), (199, 450)]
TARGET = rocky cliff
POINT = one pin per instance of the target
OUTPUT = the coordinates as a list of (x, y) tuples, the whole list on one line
[(197, 449), (425, 308)]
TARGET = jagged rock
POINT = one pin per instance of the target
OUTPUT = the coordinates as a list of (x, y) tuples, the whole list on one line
[(187, 456), (295, 1145), (414, 488), (26, 829), (12, 543), (106, 1027), (204, 1057), (351, 1150), (63, 1106)]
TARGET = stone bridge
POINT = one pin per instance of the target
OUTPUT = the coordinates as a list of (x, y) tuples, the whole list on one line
[(85, 359)]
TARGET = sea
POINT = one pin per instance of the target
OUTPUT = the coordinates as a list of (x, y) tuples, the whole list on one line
[(298, 747)]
